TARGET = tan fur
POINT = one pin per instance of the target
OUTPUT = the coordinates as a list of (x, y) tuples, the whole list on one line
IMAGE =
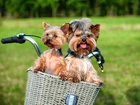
[(82, 41), (76, 40), (51, 61), (81, 70)]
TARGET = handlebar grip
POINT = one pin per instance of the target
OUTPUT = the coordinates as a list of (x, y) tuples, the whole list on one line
[(13, 39)]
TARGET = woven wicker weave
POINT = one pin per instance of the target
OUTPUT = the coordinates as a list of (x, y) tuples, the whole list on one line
[(46, 89)]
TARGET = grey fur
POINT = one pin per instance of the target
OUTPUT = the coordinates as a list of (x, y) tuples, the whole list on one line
[(82, 24)]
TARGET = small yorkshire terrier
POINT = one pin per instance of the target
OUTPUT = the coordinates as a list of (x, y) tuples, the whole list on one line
[(81, 36), (52, 60)]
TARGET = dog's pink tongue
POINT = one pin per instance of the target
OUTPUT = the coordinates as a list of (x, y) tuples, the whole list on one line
[(83, 45)]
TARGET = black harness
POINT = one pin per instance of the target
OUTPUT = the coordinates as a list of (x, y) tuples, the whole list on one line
[(96, 53), (71, 53)]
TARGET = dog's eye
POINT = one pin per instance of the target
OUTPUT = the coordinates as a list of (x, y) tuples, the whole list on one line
[(55, 36), (77, 35), (47, 34), (88, 35)]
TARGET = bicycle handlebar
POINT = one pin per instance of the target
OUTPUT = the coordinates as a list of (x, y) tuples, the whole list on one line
[(34, 44), (14, 39), (21, 38)]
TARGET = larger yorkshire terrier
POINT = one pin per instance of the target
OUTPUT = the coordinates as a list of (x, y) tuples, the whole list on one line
[(82, 37), (51, 61)]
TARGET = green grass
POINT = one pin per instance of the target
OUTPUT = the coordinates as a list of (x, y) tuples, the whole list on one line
[(119, 42)]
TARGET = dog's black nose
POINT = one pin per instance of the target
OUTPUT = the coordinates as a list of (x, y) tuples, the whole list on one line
[(48, 40), (84, 40)]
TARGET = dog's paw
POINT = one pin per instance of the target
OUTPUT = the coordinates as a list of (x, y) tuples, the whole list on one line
[(94, 80), (69, 76), (73, 79), (35, 71), (63, 75), (73, 76), (98, 81), (37, 68)]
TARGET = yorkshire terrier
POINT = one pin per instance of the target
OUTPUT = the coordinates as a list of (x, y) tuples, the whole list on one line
[(51, 61), (81, 36)]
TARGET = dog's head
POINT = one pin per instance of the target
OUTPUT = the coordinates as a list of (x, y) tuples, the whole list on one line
[(81, 35), (53, 36)]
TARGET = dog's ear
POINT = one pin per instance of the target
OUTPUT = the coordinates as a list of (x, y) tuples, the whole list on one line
[(95, 29), (66, 30), (45, 25)]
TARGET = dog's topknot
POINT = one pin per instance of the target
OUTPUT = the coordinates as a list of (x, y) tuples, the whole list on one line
[(82, 24)]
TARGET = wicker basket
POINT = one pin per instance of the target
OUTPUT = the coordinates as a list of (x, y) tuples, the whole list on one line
[(46, 89)]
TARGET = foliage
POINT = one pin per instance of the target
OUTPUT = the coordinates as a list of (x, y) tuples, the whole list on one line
[(53, 8)]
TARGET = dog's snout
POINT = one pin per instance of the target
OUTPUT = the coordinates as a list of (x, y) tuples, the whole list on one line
[(48, 40), (84, 40)]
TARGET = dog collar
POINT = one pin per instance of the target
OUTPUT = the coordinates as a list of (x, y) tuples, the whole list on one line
[(71, 53)]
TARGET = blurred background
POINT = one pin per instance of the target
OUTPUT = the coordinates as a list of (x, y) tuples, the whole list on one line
[(68, 8), (119, 43)]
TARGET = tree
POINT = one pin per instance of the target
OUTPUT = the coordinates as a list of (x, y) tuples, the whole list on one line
[(53, 8), (79, 7)]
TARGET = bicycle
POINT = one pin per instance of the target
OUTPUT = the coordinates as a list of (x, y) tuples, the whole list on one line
[(46, 89)]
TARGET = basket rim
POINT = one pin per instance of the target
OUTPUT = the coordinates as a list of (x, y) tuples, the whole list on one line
[(57, 77)]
